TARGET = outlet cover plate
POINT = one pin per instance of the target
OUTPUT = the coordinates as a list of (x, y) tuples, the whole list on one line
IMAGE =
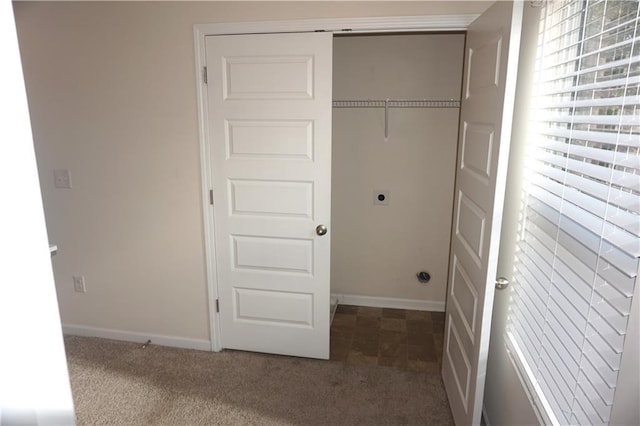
[(62, 178), (78, 284)]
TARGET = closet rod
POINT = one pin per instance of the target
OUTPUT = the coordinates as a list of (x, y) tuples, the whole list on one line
[(395, 103)]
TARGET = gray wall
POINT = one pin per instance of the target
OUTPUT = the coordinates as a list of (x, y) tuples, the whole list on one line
[(626, 402), (34, 380), (377, 250)]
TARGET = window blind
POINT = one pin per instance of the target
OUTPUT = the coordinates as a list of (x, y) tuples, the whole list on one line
[(576, 262)]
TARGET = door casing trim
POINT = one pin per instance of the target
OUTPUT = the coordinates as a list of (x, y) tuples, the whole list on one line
[(424, 23)]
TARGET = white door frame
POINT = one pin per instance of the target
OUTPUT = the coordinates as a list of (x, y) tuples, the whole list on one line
[(337, 26)]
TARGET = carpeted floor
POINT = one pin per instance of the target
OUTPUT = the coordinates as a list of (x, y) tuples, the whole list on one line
[(120, 383)]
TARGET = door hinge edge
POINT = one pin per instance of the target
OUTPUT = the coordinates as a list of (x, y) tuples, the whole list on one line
[(211, 196), (218, 305), (204, 76)]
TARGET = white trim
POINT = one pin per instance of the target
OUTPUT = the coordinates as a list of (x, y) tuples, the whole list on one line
[(344, 25), (130, 336), (207, 185), (389, 302), (336, 25)]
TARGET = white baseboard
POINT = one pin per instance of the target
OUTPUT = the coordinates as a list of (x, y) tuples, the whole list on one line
[(205, 345), (130, 336), (389, 302)]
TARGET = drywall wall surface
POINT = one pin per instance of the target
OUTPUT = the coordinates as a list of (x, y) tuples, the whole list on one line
[(378, 249), (626, 407), (34, 378), (112, 97)]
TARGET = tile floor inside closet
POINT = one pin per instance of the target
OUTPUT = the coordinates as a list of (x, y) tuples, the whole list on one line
[(406, 339)]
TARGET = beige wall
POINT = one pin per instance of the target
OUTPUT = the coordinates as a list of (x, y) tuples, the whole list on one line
[(377, 250), (112, 96)]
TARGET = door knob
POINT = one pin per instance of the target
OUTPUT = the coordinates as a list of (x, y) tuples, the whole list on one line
[(502, 283), (321, 230)]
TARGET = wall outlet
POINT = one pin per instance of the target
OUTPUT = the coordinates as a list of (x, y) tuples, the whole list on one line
[(78, 284), (381, 197), (62, 178)]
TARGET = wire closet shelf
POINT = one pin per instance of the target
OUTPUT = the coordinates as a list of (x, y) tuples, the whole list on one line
[(395, 103)]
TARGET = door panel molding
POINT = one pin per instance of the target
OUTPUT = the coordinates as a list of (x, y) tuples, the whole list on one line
[(272, 265), (486, 116)]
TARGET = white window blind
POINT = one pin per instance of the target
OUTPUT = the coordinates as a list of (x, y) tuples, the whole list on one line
[(577, 256)]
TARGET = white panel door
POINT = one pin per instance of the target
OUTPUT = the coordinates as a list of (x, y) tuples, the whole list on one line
[(483, 147), (269, 98)]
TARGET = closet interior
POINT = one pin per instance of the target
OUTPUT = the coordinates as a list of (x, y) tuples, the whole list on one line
[(396, 101)]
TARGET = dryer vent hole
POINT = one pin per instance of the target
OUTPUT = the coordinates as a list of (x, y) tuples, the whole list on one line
[(423, 276)]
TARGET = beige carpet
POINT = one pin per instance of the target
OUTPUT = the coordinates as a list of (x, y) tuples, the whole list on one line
[(121, 383)]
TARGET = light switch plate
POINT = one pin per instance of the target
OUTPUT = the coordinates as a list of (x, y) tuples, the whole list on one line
[(381, 197), (62, 178)]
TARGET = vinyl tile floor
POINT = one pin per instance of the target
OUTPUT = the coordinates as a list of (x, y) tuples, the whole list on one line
[(405, 339)]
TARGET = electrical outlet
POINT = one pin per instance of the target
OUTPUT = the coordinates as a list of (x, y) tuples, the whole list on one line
[(62, 178), (78, 284)]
